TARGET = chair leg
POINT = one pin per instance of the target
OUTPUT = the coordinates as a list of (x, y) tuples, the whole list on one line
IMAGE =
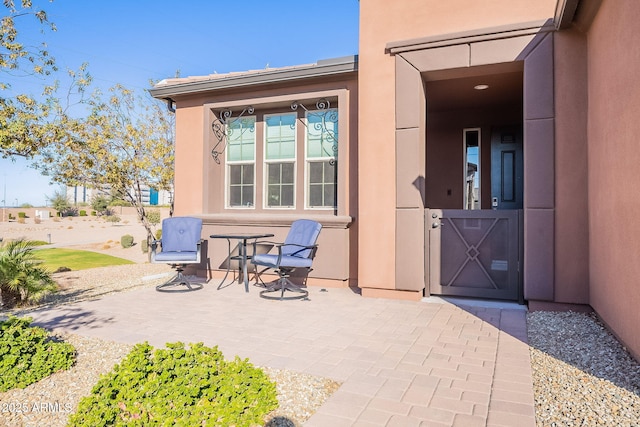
[(282, 285), (179, 282)]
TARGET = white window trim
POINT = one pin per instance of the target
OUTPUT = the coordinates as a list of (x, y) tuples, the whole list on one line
[(307, 160), (265, 169), (227, 163)]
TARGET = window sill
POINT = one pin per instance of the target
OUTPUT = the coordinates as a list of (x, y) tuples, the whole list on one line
[(274, 219)]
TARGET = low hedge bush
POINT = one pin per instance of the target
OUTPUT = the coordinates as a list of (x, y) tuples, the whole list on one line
[(126, 241), (28, 354), (178, 386)]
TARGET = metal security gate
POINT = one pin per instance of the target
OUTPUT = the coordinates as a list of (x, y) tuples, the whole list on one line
[(475, 253)]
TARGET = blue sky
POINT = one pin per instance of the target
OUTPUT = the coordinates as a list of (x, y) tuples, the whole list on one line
[(132, 41)]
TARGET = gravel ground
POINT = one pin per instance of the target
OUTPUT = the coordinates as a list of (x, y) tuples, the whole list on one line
[(582, 375)]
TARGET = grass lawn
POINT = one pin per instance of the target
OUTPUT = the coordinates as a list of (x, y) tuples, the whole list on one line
[(77, 260)]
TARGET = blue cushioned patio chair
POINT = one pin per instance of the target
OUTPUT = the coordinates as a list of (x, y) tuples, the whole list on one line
[(297, 251), (180, 245)]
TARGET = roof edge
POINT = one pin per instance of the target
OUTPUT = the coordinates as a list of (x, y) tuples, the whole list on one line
[(482, 34), (326, 67)]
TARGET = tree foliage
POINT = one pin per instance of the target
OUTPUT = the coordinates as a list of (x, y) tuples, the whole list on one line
[(125, 144), (25, 121), (119, 143), (15, 56)]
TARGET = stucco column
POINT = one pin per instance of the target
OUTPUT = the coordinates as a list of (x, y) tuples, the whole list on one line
[(410, 177), (539, 170)]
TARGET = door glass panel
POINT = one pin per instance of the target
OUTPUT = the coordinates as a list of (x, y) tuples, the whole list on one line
[(508, 176), (471, 141)]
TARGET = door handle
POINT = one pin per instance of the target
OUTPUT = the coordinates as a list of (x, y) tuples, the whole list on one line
[(436, 224)]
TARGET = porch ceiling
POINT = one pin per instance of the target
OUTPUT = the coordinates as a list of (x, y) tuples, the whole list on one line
[(454, 93)]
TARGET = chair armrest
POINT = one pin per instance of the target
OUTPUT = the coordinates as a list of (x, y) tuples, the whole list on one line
[(302, 247)]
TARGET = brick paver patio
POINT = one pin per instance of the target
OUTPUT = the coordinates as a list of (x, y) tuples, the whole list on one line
[(400, 363)]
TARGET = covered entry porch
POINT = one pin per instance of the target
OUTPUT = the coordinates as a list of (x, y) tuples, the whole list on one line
[(434, 123)]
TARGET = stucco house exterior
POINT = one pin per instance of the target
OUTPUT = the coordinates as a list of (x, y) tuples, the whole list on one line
[(482, 149)]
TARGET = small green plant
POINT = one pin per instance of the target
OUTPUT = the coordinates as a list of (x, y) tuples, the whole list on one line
[(28, 354), (113, 219), (60, 203), (94, 213), (144, 246), (11, 217), (126, 241), (159, 234), (22, 215), (100, 204), (82, 212), (153, 216), (22, 276), (178, 386)]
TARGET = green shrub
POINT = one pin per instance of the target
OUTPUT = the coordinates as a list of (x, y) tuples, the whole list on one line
[(159, 234), (144, 246), (178, 386), (113, 218), (28, 354), (100, 204), (22, 215), (153, 216), (83, 212), (94, 213), (126, 241), (22, 276)]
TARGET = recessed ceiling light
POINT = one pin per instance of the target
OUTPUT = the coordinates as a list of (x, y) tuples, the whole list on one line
[(481, 87)]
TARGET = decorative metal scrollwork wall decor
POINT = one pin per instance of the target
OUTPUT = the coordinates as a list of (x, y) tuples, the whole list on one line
[(326, 114), (220, 129), (323, 112)]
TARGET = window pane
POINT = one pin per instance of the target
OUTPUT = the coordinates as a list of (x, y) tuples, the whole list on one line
[(241, 185), (329, 195), (322, 133), (274, 173), (247, 195), (287, 195), (234, 153), (315, 172), (315, 195), (280, 185), (287, 173), (235, 197), (280, 136), (273, 198), (247, 174), (241, 139), (322, 184), (235, 174)]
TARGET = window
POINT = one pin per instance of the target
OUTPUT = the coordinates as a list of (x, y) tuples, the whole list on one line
[(471, 141), (321, 152), (280, 156), (282, 159), (241, 140)]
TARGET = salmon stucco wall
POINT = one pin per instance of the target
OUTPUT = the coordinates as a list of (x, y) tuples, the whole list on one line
[(383, 22), (613, 129), (189, 158)]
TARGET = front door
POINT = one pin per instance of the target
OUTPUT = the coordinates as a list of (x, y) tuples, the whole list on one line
[(474, 253), (506, 168)]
